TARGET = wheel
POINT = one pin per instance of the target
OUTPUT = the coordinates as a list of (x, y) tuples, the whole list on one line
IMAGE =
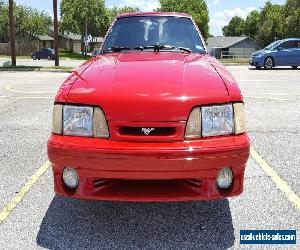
[(294, 67), (269, 63), (33, 57), (257, 67)]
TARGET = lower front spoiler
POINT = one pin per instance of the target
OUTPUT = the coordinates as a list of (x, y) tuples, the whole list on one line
[(150, 190), (148, 172)]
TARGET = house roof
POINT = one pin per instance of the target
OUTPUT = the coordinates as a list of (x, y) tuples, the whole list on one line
[(71, 36), (75, 37), (44, 37), (67, 35), (224, 41)]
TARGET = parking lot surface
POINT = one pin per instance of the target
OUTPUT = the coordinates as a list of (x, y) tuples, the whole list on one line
[(40, 219)]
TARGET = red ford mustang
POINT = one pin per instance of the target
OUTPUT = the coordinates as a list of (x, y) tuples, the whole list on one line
[(152, 118)]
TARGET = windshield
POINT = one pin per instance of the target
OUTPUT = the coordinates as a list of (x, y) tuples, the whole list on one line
[(272, 45), (144, 32)]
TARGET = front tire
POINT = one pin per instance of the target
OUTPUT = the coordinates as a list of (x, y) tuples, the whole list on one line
[(33, 57), (257, 67), (294, 67), (269, 63)]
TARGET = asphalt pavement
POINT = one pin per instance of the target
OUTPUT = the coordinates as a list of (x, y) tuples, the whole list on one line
[(40, 219)]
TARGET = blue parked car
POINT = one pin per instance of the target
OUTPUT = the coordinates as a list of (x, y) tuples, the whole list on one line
[(280, 53), (44, 53)]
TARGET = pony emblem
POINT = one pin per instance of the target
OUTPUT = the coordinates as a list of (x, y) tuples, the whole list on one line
[(147, 131)]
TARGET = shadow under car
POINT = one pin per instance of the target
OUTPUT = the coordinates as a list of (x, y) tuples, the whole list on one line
[(73, 224)]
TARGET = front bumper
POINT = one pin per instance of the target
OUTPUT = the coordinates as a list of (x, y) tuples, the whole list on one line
[(138, 171), (256, 61)]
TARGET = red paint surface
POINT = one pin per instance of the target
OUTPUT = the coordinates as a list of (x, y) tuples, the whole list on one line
[(149, 89)]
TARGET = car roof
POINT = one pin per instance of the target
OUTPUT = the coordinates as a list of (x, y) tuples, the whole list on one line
[(154, 13)]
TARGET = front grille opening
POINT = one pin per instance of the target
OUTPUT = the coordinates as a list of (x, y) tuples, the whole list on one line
[(145, 131), (99, 183), (148, 190)]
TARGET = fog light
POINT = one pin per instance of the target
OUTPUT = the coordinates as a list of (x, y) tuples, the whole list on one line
[(224, 179), (70, 177)]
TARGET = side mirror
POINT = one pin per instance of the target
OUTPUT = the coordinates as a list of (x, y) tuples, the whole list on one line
[(279, 48)]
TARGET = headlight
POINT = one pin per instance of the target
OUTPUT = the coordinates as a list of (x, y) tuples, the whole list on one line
[(217, 120), (79, 121)]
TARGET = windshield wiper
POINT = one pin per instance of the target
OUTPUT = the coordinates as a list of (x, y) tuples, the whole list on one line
[(118, 49), (185, 49), (158, 47), (123, 48)]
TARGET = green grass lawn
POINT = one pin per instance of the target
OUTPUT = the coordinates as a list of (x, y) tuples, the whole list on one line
[(36, 68), (72, 56), (18, 57), (235, 61), (62, 55)]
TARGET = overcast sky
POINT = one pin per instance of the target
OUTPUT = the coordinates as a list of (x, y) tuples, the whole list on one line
[(220, 11)]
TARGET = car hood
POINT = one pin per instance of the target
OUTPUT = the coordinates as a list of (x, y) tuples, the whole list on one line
[(148, 86)]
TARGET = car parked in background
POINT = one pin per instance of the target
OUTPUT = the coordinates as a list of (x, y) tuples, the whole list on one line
[(280, 53), (44, 53), (152, 118)]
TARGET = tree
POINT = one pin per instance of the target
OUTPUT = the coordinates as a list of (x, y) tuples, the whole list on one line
[(113, 12), (271, 24), (75, 14), (12, 32), (252, 24), (292, 18), (4, 36), (31, 20), (26, 20), (235, 27), (196, 8), (55, 24)]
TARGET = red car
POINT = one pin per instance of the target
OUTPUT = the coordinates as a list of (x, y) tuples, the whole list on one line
[(152, 118)]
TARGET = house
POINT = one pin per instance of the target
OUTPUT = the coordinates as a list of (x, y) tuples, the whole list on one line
[(40, 41), (231, 47), (72, 42), (67, 41), (27, 43)]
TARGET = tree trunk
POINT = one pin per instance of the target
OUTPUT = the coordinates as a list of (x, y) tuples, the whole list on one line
[(55, 33), (82, 43), (85, 40), (12, 33)]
